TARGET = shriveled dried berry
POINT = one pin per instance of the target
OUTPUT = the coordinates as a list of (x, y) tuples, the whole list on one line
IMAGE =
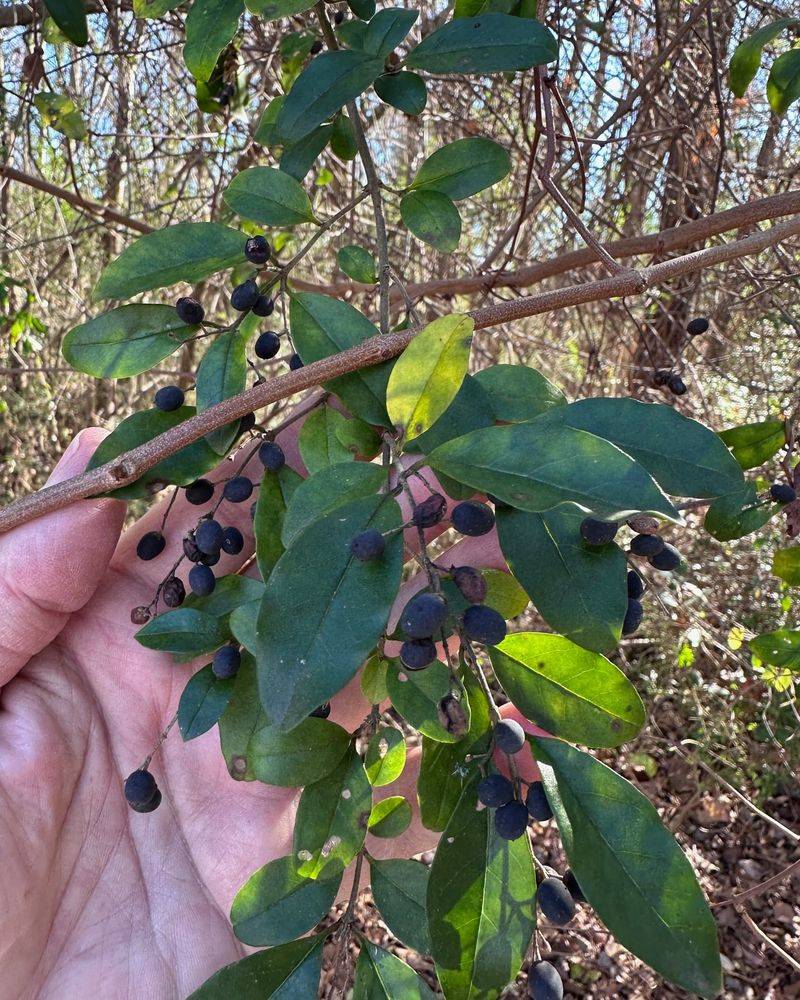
[(173, 592), (429, 512), (140, 615)]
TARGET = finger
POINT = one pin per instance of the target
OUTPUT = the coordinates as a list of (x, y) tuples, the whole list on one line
[(50, 567)]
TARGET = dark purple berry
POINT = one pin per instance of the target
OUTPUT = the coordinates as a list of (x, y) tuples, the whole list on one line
[(226, 662), (544, 982), (495, 790), (429, 512), (141, 791), (423, 616), (537, 803), (238, 489), (676, 385), (173, 592), (267, 345), (782, 493), (633, 616), (667, 559), (338, 17), (199, 492), (368, 545), (511, 821), (265, 306), (322, 711), (202, 580), (169, 397), (245, 296), (189, 311), (484, 624), (271, 456), (472, 518), (150, 545), (595, 532), (295, 362), (257, 250), (232, 541), (635, 585), (208, 537), (572, 886), (316, 48), (647, 545), (697, 326), (555, 901), (416, 654), (471, 582), (247, 423), (509, 736)]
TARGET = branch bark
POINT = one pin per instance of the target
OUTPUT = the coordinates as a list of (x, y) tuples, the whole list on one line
[(130, 466)]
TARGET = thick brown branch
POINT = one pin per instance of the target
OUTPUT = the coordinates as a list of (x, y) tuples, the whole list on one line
[(131, 465)]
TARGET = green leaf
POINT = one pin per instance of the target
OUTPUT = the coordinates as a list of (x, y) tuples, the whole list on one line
[(203, 701), (446, 767), (266, 134), (571, 692), (290, 970), (363, 9), (387, 29), (328, 82), (331, 820), (292, 760), (326, 490), (428, 374), (504, 594), (685, 458), (780, 649), (382, 976), (432, 217), (222, 373), (373, 680), (180, 469), (276, 904), (61, 113), (352, 33), (184, 630), (390, 817), (319, 443), (299, 157), (272, 10), (469, 411), (274, 497), (538, 465), (416, 694), (70, 16), (154, 8), (747, 56), (268, 196), (463, 168), (630, 868), (343, 138), (405, 91), (579, 590), (754, 444), (210, 26), (322, 326), (491, 43), (783, 83), (399, 889), (188, 251), (481, 903), (737, 514), (357, 263), (385, 757), (337, 613), (240, 720), (125, 341), (517, 393), (786, 565), (230, 593)]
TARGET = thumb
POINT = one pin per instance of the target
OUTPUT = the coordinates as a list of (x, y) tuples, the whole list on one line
[(50, 567)]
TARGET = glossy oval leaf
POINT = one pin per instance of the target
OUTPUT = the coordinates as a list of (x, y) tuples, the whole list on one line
[(390, 817), (271, 10), (274, 497), (328, 489), (387, 29), (464, 167), (210, 26), (268, 196), (320, 445), (432, 217), (180, 469), (331, 820), (276, 904), (292, 760), (753, 444), (685, 458), (187, 251), (416, 694), (580, 591), (337, 613), (780, 649), (385, 757), (399, 889), (405, 91), (783, 83), (491, 43), (203, 701), (125, 341), (289, 970), (373, 680), (380, 975), (481, 903), (322, 326), (469, 411), (328, 82), (747, 55), (299, 157), (357, 263), (630, 868), (221, 374), (569, 691), (428, 374), (517, 392), (184, 630), (537, 466), (737, 514)]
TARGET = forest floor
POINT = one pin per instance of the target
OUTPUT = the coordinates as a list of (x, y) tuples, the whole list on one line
[(732, 849)]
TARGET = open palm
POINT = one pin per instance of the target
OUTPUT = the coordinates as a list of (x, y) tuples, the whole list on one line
[(99, 900)]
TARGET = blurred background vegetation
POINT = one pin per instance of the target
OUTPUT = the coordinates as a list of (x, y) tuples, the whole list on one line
[(650, 137)]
